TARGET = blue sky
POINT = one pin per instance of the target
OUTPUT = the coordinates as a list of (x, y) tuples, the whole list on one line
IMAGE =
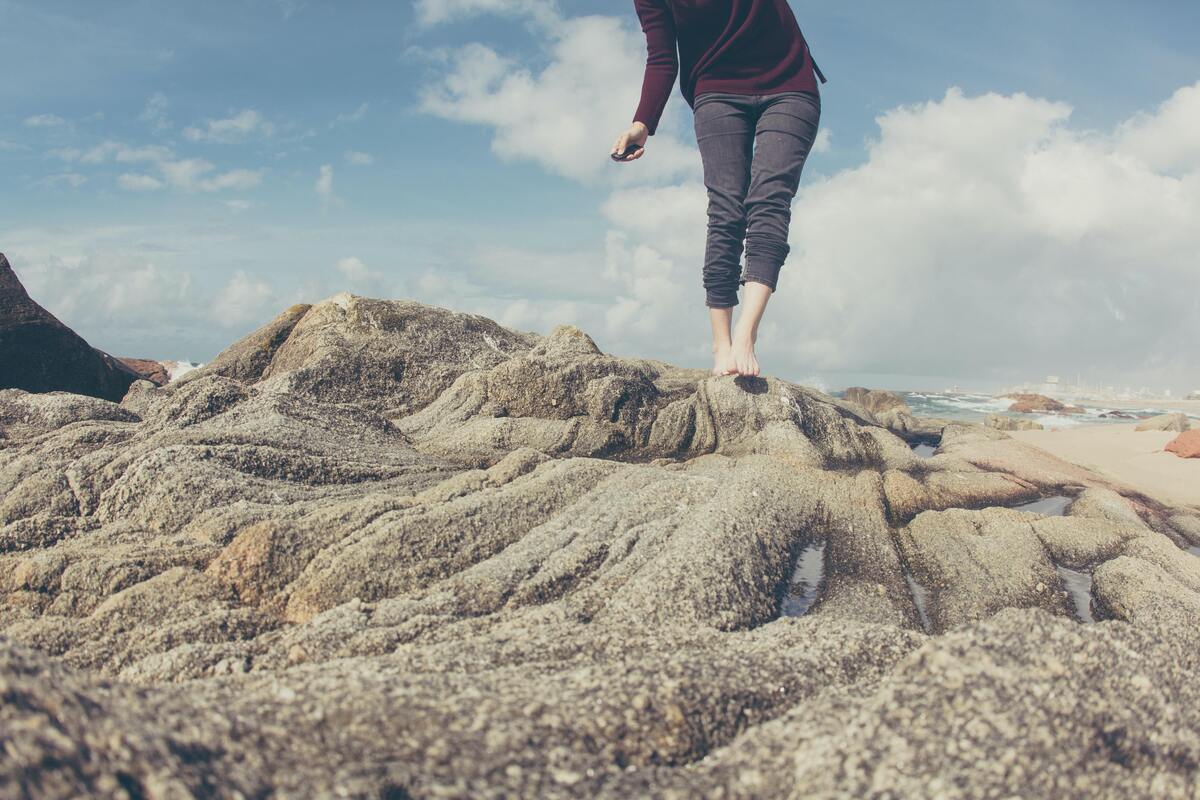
[(177, 173)]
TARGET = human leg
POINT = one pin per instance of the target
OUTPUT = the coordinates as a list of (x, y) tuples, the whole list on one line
[(785, 133), (725, 129)]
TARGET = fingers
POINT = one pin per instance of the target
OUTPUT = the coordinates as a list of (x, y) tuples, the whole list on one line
[(621, 143), (637, 155)]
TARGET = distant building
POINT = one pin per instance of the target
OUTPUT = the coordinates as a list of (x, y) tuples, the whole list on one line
[(1051, 385), (1194, 395)]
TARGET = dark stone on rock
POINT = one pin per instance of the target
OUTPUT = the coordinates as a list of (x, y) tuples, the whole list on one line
[(40, 354)]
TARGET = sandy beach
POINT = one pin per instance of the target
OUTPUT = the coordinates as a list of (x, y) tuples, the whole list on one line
[(1124, 454)]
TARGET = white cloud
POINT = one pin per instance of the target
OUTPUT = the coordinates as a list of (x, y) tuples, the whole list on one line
[(357, 115), (438, 12), (155, 112), (72, 179), (139, 183), (244, 299), (359, 159), (237, 128), (324, 184), (238, 206), (1169, 139), (595, 70), (193, 174), (824, 141), (289, 7), (44, 121)]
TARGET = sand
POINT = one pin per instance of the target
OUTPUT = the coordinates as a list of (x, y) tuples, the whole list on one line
[(1123, 454)]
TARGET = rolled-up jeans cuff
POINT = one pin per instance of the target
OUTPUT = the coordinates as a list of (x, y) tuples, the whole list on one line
[(721, 301), (759, 279)]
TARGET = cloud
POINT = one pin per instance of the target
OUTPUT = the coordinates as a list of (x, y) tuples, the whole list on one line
[(244, 299), (358, 159), (594, 68), (288, 8), (155, 113), (440, 12), (237, 128), (139, 183), (72, 179), (357, 115), (324, 184), (238, 206), (44, 121), (824, 141), (1167, 139)]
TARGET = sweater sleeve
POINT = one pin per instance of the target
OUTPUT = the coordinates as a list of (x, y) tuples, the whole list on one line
[(662, 61)]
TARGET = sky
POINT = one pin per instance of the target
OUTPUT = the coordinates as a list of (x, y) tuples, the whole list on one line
[(1001, 190)]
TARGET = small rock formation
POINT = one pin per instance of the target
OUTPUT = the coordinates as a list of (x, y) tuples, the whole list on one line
[(892, 412), (1165, 422), (153, 371), (875, 400), (1185, 445), (1040, 404), (1002, 422), (1116, 415), (382, 549), (40, 354)]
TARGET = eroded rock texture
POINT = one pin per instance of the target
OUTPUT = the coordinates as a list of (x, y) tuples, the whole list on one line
[(379, 549)]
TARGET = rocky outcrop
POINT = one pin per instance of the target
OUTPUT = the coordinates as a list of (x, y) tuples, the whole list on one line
[(1165, 422), (875, 400), (152, 371), (40, 354), (1040, 404), (892, 412), (380, 549), (1185, 445), (1001, 422)]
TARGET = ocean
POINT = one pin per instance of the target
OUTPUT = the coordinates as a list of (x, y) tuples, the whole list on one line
[(971, 407)]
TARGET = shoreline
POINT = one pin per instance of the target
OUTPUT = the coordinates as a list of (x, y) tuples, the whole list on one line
[(1117, 451)]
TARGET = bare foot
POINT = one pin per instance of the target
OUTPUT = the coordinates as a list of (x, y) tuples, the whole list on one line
[(723, 362), (743, 353)]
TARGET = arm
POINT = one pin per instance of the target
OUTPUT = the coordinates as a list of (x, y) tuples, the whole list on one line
[(662, 61)]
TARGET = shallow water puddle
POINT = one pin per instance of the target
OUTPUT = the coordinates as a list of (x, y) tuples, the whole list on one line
[(1195, 550), (924, 450), (920, 596), (1079, 589), (1048, 506), (805, 587)]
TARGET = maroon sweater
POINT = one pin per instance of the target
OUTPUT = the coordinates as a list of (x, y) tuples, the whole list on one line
[(739, 46)]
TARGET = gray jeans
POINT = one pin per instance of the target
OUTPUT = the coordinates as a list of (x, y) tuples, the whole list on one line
[(753, 147)]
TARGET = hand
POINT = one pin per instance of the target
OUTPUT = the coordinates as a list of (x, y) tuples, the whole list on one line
[(637, 134)]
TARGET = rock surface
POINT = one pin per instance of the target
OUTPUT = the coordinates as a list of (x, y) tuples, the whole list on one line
[(1165, 422), (380, 549), (1002, 422), (1185, 445), (40, 354), (1040, 404), (153, 371)]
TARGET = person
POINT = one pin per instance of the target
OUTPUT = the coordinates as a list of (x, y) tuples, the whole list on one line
[(745, 69)]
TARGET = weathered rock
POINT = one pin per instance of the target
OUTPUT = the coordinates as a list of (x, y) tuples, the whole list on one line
[(1185, 445), (1040, 404), (1002, 422), (875, 400), (380, 549), (152, 371), (1165, 422), (40, 354)]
